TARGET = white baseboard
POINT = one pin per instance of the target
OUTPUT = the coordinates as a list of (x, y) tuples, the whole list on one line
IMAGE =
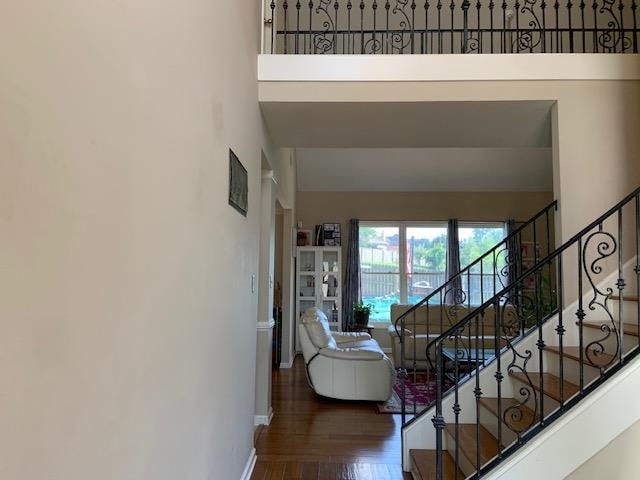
[(288, 364), (251, 463), (263, 419)]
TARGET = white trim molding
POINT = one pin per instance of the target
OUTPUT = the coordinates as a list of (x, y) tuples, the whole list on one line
[(268, 325), (251, 463), (445, 67), (263, 419), (288, 364)]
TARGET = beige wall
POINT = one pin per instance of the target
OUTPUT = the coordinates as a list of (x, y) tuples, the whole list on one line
[(128, 321), (619, 460)]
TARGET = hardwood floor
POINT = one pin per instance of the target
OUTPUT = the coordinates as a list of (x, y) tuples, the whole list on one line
[(311, 437)]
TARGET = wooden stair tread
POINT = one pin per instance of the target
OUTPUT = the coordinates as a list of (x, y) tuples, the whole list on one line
[(518, 425), (468, 445), (425, 465), (626, 298), (595, 359), (629, 328), (551, 384)]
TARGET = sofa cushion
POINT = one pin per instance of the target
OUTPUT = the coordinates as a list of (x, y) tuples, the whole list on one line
[(317, 325)]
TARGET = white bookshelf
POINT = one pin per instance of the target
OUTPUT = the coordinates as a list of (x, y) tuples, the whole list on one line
[(319, 282)]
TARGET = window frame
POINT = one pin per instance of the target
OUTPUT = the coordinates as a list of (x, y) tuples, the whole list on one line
[(402, 227), (402, 249)]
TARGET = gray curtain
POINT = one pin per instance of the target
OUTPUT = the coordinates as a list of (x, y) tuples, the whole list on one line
[(513, 254), (351, 287), (454, 293)]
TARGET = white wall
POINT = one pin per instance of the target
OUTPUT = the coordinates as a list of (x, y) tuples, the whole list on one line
[(617, 461), (128, 323)]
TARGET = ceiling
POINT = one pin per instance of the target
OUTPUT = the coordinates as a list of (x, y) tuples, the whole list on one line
[(424, 169), (416, 146), (524, 124)]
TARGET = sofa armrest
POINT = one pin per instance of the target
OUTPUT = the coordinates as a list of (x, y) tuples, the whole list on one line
[(346, 337), (352, 353)]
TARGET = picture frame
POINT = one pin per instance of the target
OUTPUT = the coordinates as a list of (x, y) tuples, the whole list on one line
[(304, 238), (238, 184)]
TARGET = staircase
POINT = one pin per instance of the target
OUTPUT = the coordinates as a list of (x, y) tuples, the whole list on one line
[(561, 329), (450, 302)]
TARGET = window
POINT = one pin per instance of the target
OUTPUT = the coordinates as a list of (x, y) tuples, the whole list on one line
[(400, 263), (404, 262), (476, 239)]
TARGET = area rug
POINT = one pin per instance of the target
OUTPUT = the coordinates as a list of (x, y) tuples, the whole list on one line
[(420, 392)]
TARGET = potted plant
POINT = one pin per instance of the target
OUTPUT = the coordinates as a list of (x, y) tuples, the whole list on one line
[(361, 314)]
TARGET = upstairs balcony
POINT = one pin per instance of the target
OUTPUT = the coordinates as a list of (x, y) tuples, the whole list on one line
[(345, 27)]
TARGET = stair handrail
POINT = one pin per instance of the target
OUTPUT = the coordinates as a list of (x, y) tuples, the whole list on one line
[(503, 243), (542, 262), (438, 419)]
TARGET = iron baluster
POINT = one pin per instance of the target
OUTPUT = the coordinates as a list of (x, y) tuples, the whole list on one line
[(312, 43), (456, 401), (297, 40), (413, 22), (438, 419), (540, 343), (580, 314), (273, 25), (569, 7), (620, 284), (375, 26), (465, 20), (350, 41), (594, 6), (439, 7), (504, 27), (479, 39), (426, 28), (560, 330), (516, 7), (498, 375), (622, 36), (285, 7), (477, 391), (634, 7), (362, 27), (452, 7), (387, 6), (491, 5), (556, 6), (584, 40), (335, 27)]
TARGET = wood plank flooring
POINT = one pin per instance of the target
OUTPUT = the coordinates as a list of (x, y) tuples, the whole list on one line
[(312, 437)]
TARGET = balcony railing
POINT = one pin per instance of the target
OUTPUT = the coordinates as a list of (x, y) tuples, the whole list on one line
[(444, 26)]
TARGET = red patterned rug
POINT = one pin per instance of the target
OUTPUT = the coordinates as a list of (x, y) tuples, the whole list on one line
[(420, 392)]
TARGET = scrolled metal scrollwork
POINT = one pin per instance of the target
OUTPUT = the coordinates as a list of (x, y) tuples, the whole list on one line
[(611, 37), (510, 317), (605, 246), (528, 39), (398, 40), (323, 42)]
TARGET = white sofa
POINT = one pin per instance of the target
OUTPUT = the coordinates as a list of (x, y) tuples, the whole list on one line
[(348, 366)]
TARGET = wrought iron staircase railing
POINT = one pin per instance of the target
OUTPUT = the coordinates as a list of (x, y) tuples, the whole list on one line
[(444, 306), (447, 26), (529, 389)]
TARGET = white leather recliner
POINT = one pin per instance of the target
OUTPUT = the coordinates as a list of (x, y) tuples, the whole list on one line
[(348, 366)]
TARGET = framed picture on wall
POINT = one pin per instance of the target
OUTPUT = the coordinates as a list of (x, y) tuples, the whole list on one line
[(238, 184)]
